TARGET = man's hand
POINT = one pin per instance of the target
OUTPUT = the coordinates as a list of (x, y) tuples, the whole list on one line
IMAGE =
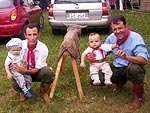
[(121, 54), (20, 69), (89, 57)]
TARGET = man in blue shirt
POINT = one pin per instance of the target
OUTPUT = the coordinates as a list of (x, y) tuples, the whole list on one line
[(129, 59)]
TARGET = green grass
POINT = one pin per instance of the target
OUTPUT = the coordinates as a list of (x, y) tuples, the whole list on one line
[(66, 100)]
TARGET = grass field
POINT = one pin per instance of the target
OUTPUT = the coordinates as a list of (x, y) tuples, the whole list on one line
[(66, 100)]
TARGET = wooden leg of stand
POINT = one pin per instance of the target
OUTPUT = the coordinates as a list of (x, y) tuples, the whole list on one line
[(75, 69), (65, 54), (56, 77), (62, 64)]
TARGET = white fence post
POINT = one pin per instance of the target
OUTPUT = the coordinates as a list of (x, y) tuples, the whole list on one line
[(120, 5)]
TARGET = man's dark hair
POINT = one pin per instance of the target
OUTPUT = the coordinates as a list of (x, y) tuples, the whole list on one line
[(117, 19), (32, 25)]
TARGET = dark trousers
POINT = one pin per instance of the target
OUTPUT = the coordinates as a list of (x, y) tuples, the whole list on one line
[(133, 72), (45, 75)]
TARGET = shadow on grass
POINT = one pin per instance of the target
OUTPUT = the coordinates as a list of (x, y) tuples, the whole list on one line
[(3, 41), (104, 31)]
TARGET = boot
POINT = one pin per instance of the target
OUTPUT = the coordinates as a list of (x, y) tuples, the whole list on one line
[(138, 92), (119, 86), (22, 97), (44, 92)]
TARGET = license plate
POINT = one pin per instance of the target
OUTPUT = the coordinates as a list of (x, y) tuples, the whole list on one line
[(77, 15)]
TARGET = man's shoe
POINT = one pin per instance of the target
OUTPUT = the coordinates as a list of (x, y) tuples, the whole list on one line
[(46, 98), (44, 92), (136, 103), (117, 89), (22, 97)]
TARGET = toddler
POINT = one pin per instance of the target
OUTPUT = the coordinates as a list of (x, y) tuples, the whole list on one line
[(97, 51), (14, 57)]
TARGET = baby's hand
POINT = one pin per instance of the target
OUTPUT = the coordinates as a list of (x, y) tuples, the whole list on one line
[(82, 65), (9, 76), (114, 46)]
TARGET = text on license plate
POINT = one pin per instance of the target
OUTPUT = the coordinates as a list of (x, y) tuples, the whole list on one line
[(77, 15)]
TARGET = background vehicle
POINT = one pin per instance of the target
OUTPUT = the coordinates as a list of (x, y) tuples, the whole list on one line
[(16, 14), (93, 13)]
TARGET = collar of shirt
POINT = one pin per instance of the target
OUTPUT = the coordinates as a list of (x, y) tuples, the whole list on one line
[(25, 45)]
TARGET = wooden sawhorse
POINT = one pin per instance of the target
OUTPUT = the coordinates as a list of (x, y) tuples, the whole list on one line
[(60, 67)]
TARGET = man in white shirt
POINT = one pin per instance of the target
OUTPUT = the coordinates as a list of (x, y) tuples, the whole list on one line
[(35, 53)]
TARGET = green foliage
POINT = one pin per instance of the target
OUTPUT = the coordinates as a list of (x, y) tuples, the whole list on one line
[(66, 100)]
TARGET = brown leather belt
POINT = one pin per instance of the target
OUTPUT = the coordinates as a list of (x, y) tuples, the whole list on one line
[(99, 61)]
